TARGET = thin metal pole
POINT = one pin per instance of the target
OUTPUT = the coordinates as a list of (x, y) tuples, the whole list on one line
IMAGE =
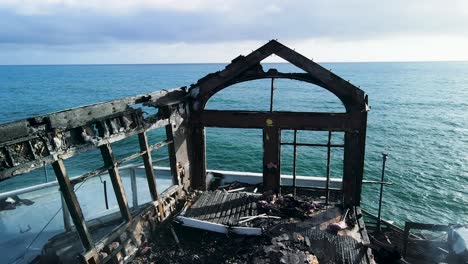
[(384, 159), (327, 186), (294, 161), (271, 94)]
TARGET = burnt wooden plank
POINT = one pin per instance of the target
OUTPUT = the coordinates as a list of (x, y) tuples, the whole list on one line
[(238, 212), (234, 209), (221, 207), (229, 205), (245, 206), (218, 208), (192, 211), (73, 205), (202, 209), (215, 205), (209, 205), (110, 162), (283, 120), (224, 208), (361, 225)]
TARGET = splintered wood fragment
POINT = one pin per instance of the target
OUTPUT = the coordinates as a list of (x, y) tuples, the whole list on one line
[(236, 190), (261, 216), (250, 218)]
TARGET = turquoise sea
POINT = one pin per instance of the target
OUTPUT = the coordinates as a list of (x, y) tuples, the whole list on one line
[(419, 115)]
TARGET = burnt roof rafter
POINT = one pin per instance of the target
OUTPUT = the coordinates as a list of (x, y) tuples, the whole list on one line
[(244, 68)]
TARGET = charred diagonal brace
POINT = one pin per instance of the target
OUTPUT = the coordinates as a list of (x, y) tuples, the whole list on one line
[(103, 169)]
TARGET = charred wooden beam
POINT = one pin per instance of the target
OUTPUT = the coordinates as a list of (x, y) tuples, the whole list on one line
[(171, 148), (73, 205), (109, 161), (198, 161), (76, 117), (66, 145), (352, 97), (209, 83), (271, 157), (150, 176), (80, 116), (32, 143), (283, 120), (182, 136), (102, 169)]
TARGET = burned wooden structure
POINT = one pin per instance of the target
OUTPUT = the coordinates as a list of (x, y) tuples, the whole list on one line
[(353, 123), (28, 144)]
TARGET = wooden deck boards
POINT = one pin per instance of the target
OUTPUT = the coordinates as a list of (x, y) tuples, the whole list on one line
[(222, 207)]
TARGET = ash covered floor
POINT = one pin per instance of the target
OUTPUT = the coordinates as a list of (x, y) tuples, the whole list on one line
[(285, 243), (299, 233)]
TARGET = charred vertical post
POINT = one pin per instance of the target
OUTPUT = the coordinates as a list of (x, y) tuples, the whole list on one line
[(73, 205), (171, 147), (354, 160), (198, 163), (109, 161), (360, 155), (271, 157), (150, 176)]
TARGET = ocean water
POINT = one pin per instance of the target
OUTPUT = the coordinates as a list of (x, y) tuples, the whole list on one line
[(419, 115)]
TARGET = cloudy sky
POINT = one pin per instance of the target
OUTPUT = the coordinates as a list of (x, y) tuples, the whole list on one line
[(185, 31)]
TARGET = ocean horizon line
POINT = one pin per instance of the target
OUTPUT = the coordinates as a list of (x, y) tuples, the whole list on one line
[(207, 63)]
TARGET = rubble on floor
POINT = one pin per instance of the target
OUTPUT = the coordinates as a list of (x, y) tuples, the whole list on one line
[(295, 229)]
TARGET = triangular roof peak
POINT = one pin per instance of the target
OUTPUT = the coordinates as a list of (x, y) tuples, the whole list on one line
[(351, 96)]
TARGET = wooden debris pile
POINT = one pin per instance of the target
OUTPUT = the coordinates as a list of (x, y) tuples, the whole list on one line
[(288, 206)]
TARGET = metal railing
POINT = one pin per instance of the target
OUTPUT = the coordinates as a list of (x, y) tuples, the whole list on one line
[(131, 168)]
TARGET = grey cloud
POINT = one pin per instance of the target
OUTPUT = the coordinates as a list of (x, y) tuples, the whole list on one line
[(339, 20)]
